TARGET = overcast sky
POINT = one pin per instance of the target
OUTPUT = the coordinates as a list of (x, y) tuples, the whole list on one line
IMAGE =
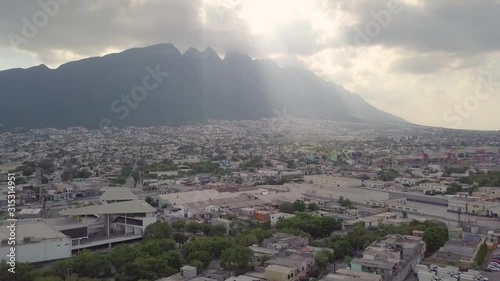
[(434, 62)]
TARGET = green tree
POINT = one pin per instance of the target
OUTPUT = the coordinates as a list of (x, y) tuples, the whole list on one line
[(388, 175), (193, 227), (346, 203), (481, 254), (174, 259), (206, 228), (316, 226), (146, 267), (122, 254), (158, 230), (178, 225), (287, 207), (260, 233), (89, 264), (180, 238), (299, 206), (214, 245), (341, 248), (313, 207), (149, 200), (359, 237), (321, 260), (236, 227), (435, 238), (263, 259), (246, 239), (218, 230), (156, 247), (203, 256), (236, 258), (61, 268), (23, 272), (48, 278)]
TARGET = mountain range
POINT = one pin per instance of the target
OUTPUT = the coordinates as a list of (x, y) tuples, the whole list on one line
[(158, 84)]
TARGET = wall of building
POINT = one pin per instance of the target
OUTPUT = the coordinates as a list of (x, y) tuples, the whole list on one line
[(44, 250), (356, 267), (279, 276)]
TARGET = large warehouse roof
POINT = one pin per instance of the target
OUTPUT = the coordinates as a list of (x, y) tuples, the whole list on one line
[(35, 230), (183, 198), (134, 206)]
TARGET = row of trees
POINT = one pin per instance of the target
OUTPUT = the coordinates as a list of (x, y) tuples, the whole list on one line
[(315, 226), (482, 179), (435, 236), (297, 206)]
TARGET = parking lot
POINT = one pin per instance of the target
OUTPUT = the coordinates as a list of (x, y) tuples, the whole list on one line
[(492, 275)]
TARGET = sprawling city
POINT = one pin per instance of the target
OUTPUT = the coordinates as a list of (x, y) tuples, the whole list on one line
[(249, 140), (270, 199)]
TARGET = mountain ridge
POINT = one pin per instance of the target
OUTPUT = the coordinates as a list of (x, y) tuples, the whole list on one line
[(200, 85)]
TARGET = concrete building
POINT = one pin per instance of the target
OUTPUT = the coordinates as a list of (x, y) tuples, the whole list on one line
[(36, 241), (393, 258), (280, 273), (259, 252), (380, 267), (467, 205), (334, 188), (343, 274), (210, 202), (301, 263), (111, 223), (188, 271)]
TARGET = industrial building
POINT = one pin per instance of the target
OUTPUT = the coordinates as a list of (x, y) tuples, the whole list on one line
[(112, 223), (36, 241), (210, 203)]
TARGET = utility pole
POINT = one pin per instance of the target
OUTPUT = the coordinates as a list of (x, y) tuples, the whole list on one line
[(39, 181)]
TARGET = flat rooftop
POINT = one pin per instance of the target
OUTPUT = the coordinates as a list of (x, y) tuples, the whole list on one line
[(118, 194), (279, 268), (36, 230), (374, 263), (125, 207)]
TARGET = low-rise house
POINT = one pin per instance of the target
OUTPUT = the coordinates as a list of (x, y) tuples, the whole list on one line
[(280, 273), (218, 274), (260, 252), (262, 216)]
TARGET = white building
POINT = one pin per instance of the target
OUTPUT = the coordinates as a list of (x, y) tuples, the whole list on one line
[(36, 241)]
